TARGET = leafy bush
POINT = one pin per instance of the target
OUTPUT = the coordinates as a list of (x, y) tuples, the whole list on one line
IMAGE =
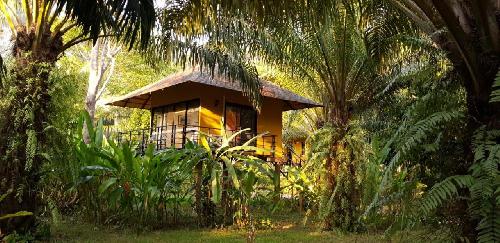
[(118, 185), (235, 174)]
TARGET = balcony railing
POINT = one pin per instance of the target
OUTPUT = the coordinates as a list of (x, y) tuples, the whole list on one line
[(292, 158), (176, 136)]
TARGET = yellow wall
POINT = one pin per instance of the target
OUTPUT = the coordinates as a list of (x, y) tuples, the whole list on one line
[(299, 153), (212, 106), (269, 120)]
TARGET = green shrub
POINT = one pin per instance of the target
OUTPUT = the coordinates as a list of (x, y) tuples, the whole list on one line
[(121, 186)]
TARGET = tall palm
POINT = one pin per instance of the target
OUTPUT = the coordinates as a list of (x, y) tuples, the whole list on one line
[(340, 67), (324, 43), (332, 59), (468, 31), (39, 33), (347, 59)]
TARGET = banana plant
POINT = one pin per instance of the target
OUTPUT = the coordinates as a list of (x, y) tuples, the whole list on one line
[(244, 170), (127, 185)]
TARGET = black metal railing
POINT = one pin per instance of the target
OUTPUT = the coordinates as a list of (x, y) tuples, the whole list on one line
[(176, 136), (293, 158)]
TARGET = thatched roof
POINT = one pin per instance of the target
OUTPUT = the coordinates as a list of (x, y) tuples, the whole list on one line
[(141, 98)]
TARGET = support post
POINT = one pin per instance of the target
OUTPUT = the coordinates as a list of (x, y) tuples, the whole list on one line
[(198, 193), (277, 182)]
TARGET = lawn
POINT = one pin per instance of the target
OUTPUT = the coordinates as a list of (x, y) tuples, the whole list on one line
[(68, 232), (279, 227)]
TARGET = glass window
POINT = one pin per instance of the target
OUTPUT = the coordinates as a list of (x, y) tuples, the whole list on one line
[(174, 124), (193, 113), (238, 117)]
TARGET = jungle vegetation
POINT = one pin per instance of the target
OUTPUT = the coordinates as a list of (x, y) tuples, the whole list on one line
[(407, 138)]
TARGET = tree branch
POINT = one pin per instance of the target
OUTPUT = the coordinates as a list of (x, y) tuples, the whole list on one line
[(463, 42), (108, 78), (77, 40)]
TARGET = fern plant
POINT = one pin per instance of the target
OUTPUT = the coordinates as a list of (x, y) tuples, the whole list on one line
[(407, 154), (495, 93), (483, 183)]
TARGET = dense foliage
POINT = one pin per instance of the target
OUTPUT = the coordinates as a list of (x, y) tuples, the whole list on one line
[(407, 138)]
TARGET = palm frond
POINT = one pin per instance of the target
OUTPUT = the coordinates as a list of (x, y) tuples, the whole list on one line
[(211, 59), (131, 20)]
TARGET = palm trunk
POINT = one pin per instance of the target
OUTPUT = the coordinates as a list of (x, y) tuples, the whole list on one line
[(330, 186), (198, 192), (480, 113), (340, 214), (277, 182), (26, 117), (331, 167)]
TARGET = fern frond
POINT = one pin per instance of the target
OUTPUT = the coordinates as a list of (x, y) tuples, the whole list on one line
[(489, 226), (444, 190), (415, 136), (495, 93)]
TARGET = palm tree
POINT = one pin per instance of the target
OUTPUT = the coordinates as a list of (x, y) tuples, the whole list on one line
[(468, 31), (341, 66), (332, 59), (39, 30), (327, 44)]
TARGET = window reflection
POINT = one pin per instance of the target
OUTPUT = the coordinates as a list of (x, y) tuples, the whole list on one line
[(175, 124), (238, 117)]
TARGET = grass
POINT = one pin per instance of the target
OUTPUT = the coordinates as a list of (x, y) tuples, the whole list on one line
[(68, 232), (280, 227)]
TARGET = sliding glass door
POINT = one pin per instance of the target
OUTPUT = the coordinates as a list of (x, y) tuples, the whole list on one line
[(238, 117), (172, 125)]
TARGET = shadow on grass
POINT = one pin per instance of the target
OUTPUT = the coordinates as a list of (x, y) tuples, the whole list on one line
[(81, 232)]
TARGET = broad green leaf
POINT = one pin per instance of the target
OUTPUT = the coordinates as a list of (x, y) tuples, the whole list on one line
[(250, 141), (90, 125), (106, 184), (232, 172), (96, 167), (150, 150), (204, 144), (249, 149), (115, 195), (99, 134), (3, 196), (248, 184), (216, 186), (226, 141)]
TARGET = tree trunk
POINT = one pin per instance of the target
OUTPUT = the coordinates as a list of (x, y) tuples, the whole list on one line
[(102, 62), (331, 168), (277, 182), (26, 117), (337, 214), (225, 199), (198, 192)]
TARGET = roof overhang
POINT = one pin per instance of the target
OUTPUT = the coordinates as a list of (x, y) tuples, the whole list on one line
[(141, 98)]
